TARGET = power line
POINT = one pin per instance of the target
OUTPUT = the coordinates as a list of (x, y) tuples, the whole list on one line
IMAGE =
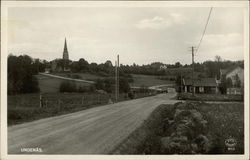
[(204, 29)]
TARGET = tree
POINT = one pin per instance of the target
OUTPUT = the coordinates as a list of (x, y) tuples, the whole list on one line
[(124, 85), (99, 84), (177, 65), (217, 58), (83, 65), (223, 85), (108, 63), (21, 71), (108, 85)]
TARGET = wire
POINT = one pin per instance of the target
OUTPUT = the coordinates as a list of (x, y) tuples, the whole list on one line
[(204, 29)]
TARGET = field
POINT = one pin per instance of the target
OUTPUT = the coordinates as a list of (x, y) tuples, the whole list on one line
[(26, 107), (148, 80), (189, 128)]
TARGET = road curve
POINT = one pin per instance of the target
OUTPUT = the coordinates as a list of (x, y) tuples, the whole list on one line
[(94, 131)]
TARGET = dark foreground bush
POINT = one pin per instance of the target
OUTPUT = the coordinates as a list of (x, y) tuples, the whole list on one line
[(211, 97), (189, 128)]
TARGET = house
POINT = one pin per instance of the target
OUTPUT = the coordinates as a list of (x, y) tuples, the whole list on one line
[(236, 76), (163, 67), (201, 85), (47, 70)]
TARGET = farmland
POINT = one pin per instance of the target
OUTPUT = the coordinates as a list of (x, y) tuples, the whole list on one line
[(189, 128)]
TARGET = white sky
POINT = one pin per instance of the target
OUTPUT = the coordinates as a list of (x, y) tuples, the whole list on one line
[(140, 35)]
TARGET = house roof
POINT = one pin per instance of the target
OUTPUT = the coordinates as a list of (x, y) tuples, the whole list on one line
[(228, 70), (206, 82)]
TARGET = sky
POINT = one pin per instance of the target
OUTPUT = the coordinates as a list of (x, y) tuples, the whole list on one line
[(140, 35)]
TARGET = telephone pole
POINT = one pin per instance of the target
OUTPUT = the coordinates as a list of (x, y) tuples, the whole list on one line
[(193, 90), (117, 79)]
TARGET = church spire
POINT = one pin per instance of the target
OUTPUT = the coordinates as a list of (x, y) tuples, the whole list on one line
[(65, 51)]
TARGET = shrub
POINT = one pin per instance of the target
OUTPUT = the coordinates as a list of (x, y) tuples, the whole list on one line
[(68, 87)]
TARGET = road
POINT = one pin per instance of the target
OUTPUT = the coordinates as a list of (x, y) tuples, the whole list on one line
[(94, 131), (65, 78)]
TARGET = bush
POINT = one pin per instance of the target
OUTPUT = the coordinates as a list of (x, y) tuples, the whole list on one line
[(188, 128), (68, 87)]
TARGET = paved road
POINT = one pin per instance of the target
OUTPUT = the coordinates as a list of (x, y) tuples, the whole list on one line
[(94, 131)]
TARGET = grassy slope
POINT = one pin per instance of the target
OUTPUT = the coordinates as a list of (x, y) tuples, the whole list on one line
[(148, 80)]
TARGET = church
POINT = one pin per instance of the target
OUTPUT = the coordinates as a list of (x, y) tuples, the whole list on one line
[(65, 51), (62, 65)]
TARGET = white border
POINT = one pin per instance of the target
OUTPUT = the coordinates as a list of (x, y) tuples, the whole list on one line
[(4, 21)]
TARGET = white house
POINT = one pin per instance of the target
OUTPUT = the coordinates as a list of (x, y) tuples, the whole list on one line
[(235, 74)]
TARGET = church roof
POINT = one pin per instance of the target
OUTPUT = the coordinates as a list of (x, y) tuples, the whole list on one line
[(65, 46), (228, 70)]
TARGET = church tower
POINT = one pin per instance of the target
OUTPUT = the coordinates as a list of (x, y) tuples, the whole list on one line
[(65, 51)]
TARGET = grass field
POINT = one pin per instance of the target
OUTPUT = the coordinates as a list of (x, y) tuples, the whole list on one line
[(189, 128), (148, 80)]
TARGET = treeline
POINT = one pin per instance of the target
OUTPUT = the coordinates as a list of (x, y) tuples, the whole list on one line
[(208, 68), (21, 71), (82, 66), (106, 85)]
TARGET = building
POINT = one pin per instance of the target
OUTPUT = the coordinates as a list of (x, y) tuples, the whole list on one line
[(236, 75), (61, 65), (65, 51), (202, 85), (163, 67)]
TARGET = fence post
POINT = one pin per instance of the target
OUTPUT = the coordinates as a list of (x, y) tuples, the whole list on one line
[(40, 97), (98, 100), (59, 104), (82, 99)]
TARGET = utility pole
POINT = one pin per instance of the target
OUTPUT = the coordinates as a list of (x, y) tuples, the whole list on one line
[(118, 77), (116, 81), (193, 70), (181, 82)]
